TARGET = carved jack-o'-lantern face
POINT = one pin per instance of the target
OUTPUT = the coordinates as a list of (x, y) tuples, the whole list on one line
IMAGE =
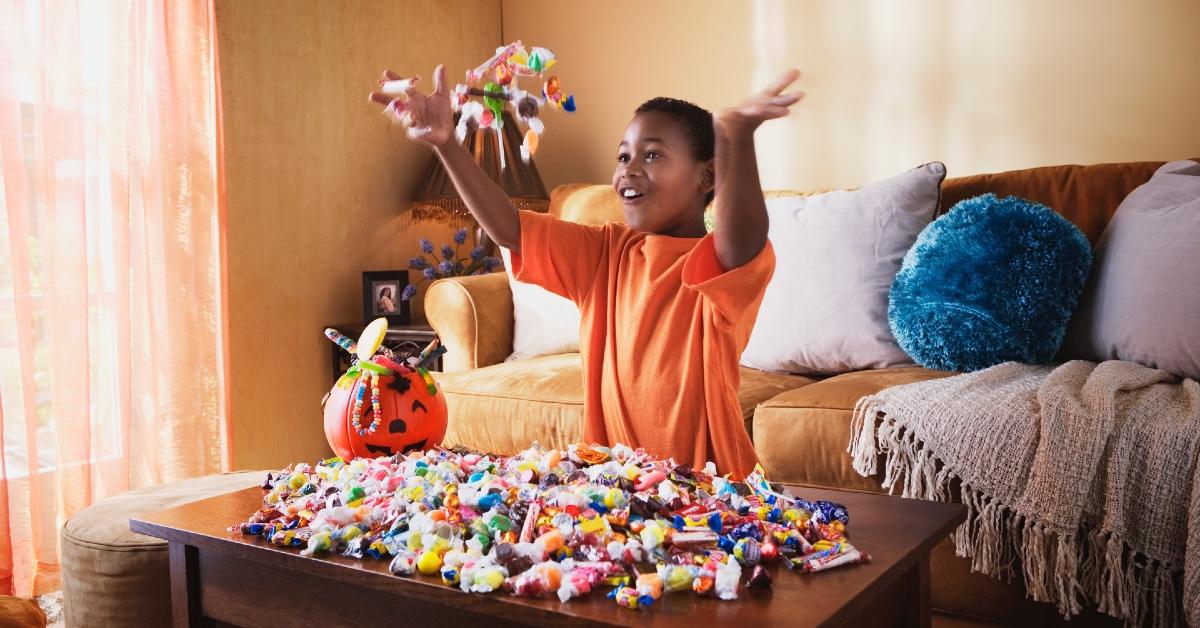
[(411, 417)]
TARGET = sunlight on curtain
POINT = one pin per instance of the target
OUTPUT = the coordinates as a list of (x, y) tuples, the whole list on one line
[(110, 263)]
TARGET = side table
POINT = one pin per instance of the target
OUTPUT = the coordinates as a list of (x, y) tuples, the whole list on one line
[(406, 338)]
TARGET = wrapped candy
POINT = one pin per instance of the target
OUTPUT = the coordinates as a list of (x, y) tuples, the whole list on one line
[(759, 578), (769, 551), (403, 564), (677, 577), (399, 88), (850, 557), (747, 552), (488, 579), (429, 562), (728, 574), (540, 580), (582, 579), (319, 542), (627, 597), (548, 522), (500, 76), (650, 584)]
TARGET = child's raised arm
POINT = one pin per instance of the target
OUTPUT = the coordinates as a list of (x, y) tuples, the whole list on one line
[(741, 229), (430, 121)]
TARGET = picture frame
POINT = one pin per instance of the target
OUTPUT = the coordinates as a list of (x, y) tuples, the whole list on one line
[(381, 296)]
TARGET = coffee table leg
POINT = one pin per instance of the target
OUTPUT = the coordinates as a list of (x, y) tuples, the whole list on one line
[(917, 609), (185, 586)]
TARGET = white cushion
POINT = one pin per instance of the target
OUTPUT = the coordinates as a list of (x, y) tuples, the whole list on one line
[(825, 308), (1141, 303), (543, 322)]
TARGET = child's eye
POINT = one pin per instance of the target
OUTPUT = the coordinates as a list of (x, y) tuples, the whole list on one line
[(653, 154), (623, 158)]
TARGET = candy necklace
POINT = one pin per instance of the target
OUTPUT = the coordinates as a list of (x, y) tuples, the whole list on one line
[(376, 410)]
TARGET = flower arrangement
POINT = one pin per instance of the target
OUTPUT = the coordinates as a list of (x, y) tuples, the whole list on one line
[(450, 263)]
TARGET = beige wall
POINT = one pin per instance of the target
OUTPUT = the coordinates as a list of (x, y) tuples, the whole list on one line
[(316, 184), (982, 85), (317, 180)]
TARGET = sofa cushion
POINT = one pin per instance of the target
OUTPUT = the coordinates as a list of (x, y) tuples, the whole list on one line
[(1138, 305), (994, 280), (801, 435), (504, 407), (837, 253), (544, 323)]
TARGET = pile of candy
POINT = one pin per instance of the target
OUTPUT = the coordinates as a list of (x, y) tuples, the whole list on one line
[(547, 522)]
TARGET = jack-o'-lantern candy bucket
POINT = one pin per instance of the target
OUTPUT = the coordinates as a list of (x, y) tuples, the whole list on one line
[(383, 405)]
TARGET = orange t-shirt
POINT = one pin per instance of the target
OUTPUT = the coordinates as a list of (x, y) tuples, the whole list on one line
[(662, 328)]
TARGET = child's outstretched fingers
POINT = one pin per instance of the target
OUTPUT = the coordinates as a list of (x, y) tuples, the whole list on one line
[(768, 104), (439, 79), (427, 117), (781, 83)]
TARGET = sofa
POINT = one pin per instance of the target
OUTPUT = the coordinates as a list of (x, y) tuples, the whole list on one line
[(800, 425)]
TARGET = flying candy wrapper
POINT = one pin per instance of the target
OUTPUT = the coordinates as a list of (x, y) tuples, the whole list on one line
[(500, 75)]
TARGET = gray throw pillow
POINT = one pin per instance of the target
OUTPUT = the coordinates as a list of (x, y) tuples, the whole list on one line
[(825, 309), (1142, 301)]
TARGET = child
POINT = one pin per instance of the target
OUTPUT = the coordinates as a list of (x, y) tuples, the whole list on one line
[(666, 309)]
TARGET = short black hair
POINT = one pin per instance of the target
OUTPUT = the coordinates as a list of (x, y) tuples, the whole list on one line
[(697, 125)]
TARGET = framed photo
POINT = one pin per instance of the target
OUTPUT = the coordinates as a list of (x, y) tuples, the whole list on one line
[(381, 296)]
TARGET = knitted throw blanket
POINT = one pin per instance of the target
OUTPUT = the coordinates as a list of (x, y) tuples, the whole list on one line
[(1082, 478)]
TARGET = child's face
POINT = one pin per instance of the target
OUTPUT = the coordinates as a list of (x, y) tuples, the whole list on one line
[(662, 186)]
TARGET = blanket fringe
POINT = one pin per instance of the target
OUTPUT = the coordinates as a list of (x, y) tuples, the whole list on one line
[(1064, 568), (862, 448)]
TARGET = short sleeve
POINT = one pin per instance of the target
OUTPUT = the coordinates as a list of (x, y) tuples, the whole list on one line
[(560, 256), (733, 293)]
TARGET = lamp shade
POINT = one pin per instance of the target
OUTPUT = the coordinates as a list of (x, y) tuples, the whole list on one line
[(436, 198)]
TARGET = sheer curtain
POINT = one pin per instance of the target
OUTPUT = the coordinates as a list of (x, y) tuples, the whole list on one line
[(111, 322)]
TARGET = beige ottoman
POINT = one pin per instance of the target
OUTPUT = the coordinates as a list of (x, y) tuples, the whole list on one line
[(114, 577)]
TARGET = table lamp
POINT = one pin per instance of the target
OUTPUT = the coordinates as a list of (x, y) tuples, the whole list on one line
[(436, 199)]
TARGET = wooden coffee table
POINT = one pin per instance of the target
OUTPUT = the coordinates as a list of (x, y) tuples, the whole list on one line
[(221, 578)]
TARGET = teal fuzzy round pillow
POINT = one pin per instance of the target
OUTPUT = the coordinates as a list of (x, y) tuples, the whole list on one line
[(993, 280)]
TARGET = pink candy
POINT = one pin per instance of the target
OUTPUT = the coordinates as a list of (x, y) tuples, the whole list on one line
[(649, 480)]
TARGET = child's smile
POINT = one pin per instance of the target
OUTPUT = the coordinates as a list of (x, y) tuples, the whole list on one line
[(661, 185)]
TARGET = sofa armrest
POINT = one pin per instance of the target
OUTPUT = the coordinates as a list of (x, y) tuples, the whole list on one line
[(473, 317)]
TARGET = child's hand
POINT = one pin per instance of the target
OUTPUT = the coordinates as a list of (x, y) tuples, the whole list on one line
[(768, 104), (428, 118)]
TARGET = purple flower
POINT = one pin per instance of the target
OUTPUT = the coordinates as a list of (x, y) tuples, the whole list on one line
[(460, 236), (491, 264), (445, 268), (426, 246), (430, 273), (447, 252), (418, 263), (410, 291), (476, 253)]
